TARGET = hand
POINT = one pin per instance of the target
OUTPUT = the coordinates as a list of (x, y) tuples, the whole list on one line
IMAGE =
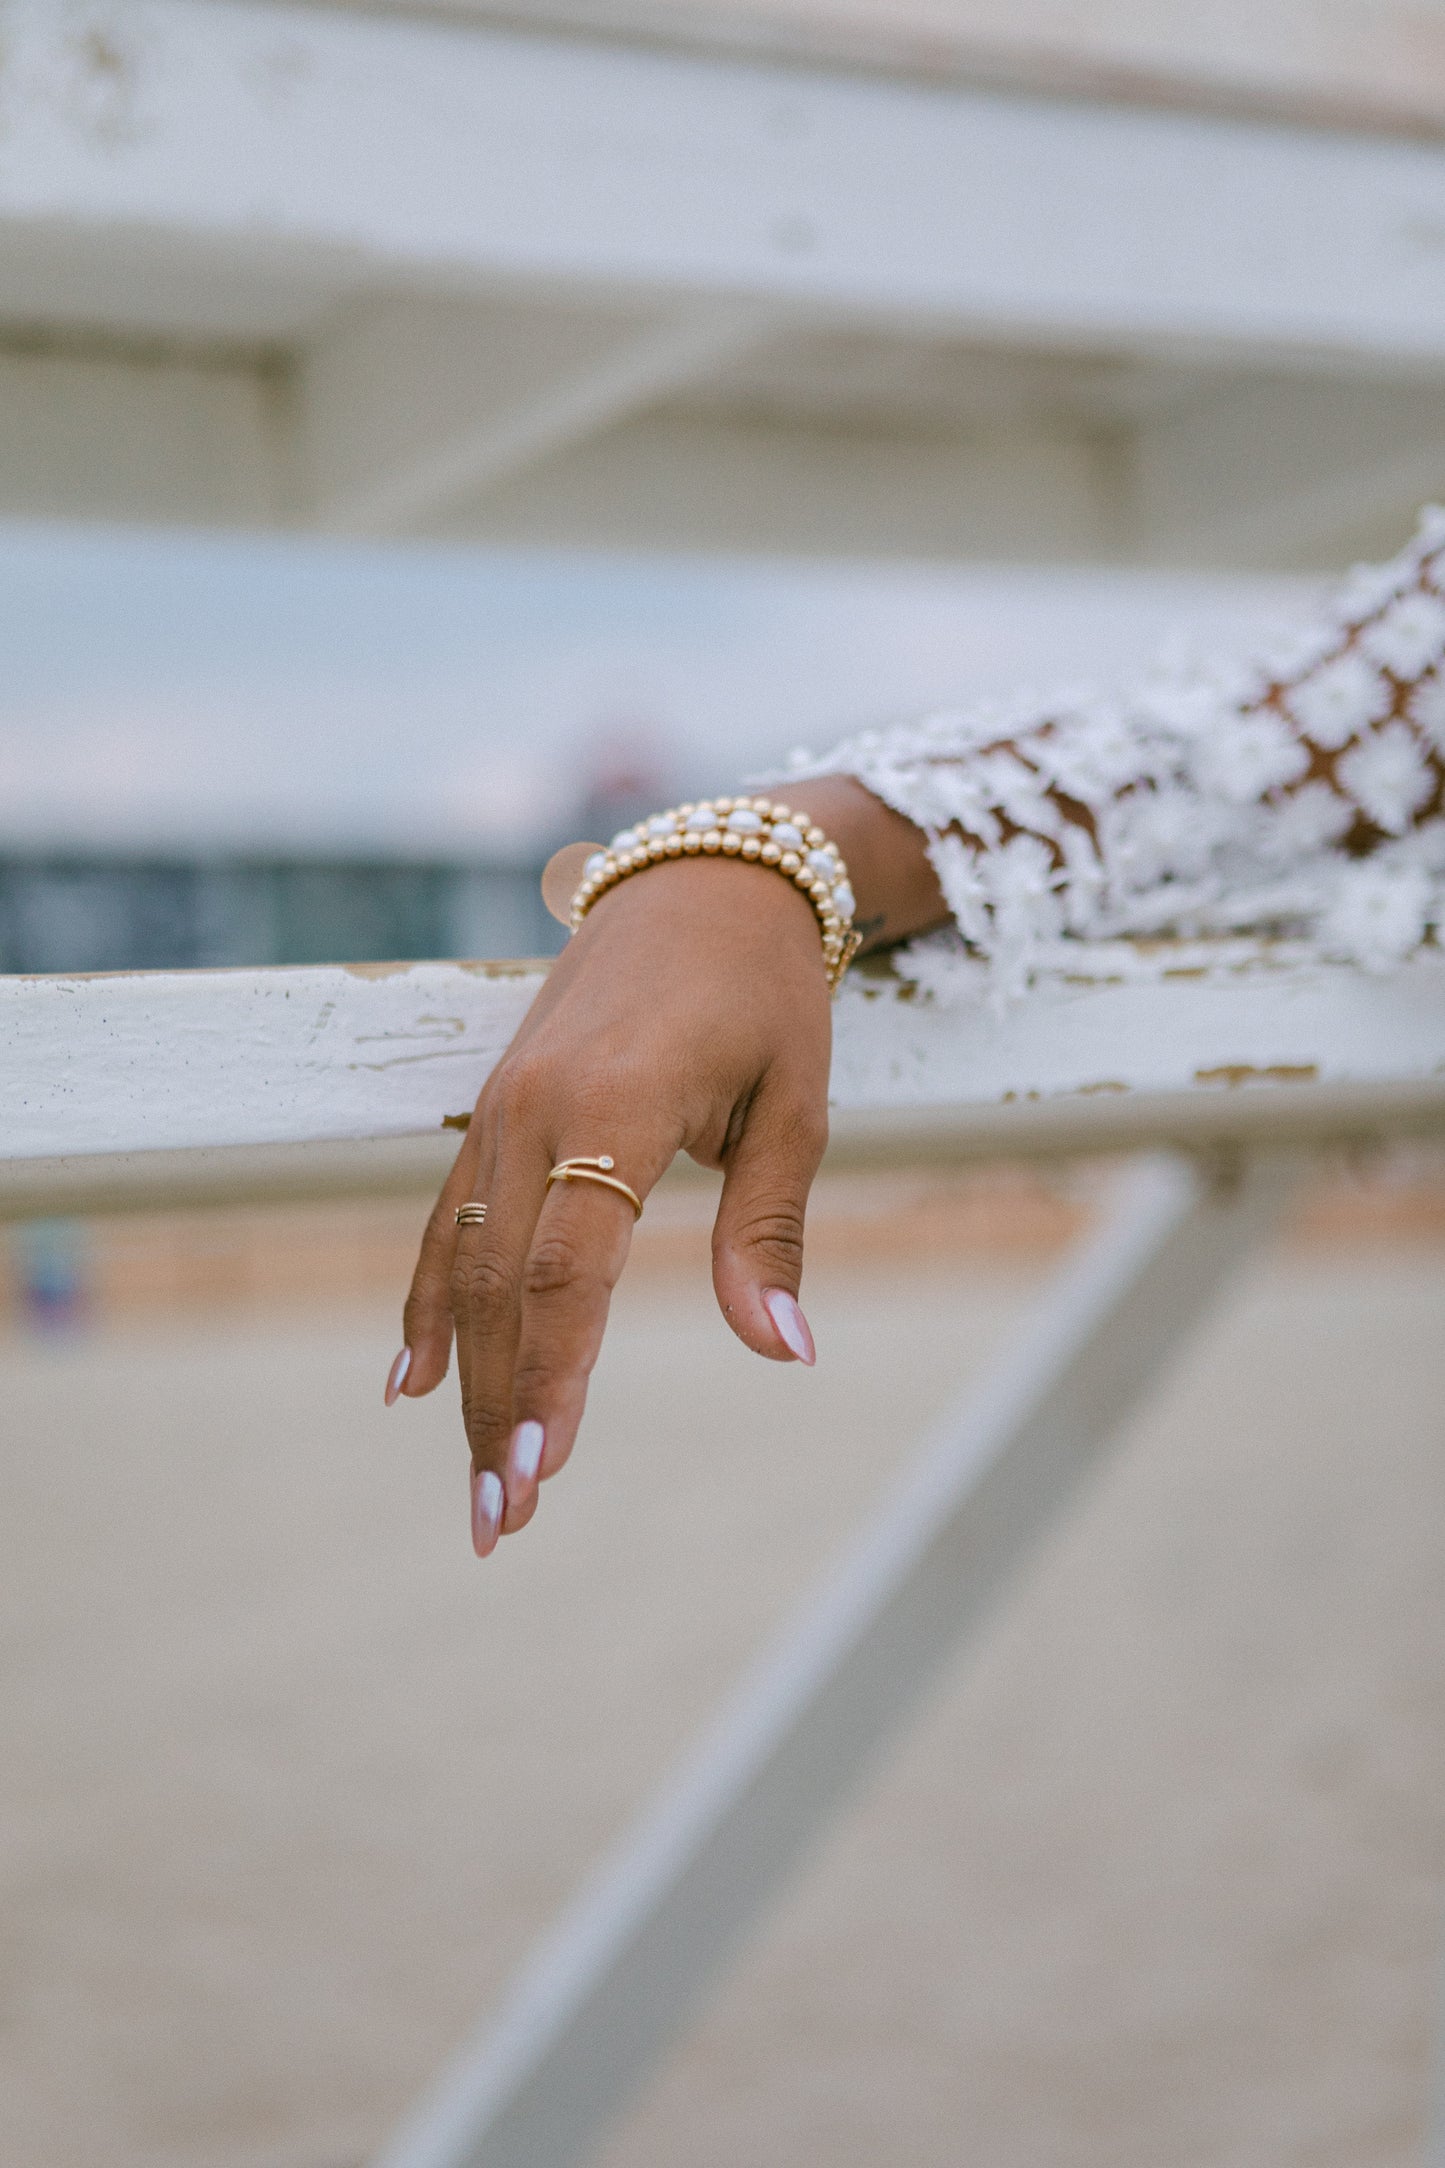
[(690, 1012)]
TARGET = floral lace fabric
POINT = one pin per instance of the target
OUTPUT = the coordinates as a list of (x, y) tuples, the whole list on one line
[(1300, 796)]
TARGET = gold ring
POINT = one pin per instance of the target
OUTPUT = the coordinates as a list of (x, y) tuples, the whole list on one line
[(471, 1215), (600, 1171)]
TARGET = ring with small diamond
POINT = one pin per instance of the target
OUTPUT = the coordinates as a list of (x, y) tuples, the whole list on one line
[(597, 1170)]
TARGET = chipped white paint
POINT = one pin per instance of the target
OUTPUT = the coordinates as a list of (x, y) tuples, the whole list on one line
[(173, 1062)]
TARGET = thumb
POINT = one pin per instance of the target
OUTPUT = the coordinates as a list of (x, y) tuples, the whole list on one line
[(757, 1244)]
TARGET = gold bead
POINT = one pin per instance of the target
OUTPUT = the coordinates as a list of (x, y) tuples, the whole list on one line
[(691, 844), (832, 923), (763, 806), (731, 844), (682, 811), (639, 857), (712, 842), (803, 879), (724, 805), (752, 848), (816, 839), (780, 813), (656, 850), (819, 890), (673, 847), (770, 854), (789, 862)]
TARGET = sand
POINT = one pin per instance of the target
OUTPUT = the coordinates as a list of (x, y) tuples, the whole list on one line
[(288, 1782)]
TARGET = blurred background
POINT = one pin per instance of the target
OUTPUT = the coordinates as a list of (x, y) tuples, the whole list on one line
[(433, 430)]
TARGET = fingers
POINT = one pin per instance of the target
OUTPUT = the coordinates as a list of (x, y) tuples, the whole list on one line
[(582, 1237), (486, 1302), (427, 1315), (757, 1252)]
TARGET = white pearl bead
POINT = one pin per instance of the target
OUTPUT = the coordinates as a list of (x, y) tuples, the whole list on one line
[(626, 839), (789, 835), (823, 862), (662, 824), (700, 819), (744, 822), (596, 864), (843, 902)]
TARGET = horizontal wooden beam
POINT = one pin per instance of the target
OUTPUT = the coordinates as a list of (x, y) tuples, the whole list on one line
[(138, 1087), (358, 154), (1365, 63)]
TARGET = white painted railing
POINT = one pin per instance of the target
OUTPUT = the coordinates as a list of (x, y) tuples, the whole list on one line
[(133, 1088), (288, 1081)]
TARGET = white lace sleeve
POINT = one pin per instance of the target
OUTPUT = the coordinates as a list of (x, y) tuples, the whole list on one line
[(1301, 796)]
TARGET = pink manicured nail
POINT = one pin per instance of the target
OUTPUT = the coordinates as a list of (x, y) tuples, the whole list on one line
[(791, 1324), (526, 1454), (487, 1503), (396, 1376)]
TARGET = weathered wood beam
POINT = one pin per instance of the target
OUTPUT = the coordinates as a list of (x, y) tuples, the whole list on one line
[(272, 1082), (370, 154)]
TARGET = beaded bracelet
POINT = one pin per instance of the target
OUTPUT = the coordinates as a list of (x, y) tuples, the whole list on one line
[(752, 829)]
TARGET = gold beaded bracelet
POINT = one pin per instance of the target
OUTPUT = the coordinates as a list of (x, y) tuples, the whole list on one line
[(752, 829)]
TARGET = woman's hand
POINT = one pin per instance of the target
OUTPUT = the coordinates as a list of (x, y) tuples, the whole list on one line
[(690, 1012)]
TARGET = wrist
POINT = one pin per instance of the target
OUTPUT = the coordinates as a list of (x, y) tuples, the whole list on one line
[(895, 888), (758, 835)]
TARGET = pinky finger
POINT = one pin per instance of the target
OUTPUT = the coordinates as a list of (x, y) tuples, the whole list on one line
[(427, 1317)]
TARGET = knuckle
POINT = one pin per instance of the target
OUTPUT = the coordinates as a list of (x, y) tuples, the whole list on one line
[(774, 1232), (485, 1416), (517, 1085), (534, 1381), (554, 1265), (480, 1284), (806, 1132), (420, 1307)]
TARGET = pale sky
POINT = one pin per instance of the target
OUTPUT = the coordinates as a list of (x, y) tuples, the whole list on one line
[(191, 693)]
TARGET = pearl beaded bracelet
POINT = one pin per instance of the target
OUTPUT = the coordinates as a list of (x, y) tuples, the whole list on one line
[(752, 829)]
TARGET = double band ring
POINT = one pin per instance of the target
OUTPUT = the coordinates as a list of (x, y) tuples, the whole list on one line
[(471, 1215), (596, 1170)]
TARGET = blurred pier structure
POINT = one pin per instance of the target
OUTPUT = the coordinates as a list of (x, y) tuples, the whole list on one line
[(87, 912), (930, 278)]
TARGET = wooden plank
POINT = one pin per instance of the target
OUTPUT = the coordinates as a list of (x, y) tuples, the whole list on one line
[(224, 1083), (194, 146), (1378, 63)]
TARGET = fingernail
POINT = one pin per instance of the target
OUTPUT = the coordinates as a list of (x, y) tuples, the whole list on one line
[(396, 1376), (791, 1324), (526, 1454), (487, 1502)]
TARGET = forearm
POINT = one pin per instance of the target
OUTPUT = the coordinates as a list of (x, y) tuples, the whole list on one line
[(892, 876)]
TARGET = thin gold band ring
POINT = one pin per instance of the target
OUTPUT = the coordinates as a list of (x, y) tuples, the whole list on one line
[(600, 1171)]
